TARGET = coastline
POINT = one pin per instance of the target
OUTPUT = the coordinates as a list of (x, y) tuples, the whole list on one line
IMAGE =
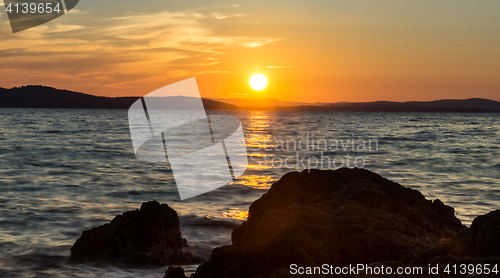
[(37, 96)]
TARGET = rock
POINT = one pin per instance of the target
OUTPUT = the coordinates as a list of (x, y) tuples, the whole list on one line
[(481, 240), (477, 246), (174, 272), (225, 262), (331, 217), (485, 232), (147, 237)]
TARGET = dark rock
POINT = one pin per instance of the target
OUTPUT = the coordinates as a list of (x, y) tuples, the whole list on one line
[(335, 217), (146, 237), (481, 240), (225, 262), (485, 232), (478, 246), (174, 272)]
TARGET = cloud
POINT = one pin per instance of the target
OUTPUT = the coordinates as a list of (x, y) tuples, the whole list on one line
[(119, 51), (64, 28), (184, 30), (181, 73), (80, 12), (222, 16)]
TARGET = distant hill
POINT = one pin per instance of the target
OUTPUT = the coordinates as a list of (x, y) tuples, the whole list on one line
[(47, 97), (472, 103), (447, 105)]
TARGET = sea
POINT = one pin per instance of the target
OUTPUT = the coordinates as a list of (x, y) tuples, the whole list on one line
[(63, 171)]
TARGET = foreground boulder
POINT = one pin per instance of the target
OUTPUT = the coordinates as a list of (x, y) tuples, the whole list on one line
[(336, 217), (146, 237)]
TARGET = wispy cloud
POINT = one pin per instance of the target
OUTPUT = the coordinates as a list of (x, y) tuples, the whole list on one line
[(64, 28), (184, 30), (80, 12), (123, 51), (223, 16), (182, 73)]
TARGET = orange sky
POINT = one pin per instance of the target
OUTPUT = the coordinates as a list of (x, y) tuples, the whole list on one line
[(310, 51)]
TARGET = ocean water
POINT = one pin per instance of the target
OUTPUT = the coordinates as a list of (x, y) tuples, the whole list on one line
[(63, 171)]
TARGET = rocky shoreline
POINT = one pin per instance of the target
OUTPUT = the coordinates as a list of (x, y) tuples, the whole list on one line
[(317, 217)]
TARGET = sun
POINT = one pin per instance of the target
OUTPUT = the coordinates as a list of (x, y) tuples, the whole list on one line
[(258, 82)]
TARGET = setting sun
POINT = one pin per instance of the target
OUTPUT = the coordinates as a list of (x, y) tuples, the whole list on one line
[(258, 82)]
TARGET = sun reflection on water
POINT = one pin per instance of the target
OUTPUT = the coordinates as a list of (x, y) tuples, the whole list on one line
[(231, 214), (259, 136), (236, 214), (258, 181)]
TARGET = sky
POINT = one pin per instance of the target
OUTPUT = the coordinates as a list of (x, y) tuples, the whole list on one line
[(310, 51)]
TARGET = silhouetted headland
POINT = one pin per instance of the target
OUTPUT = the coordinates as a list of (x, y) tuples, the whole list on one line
[(48, 97)]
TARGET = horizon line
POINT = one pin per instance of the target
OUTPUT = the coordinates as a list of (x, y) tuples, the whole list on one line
[(261, 98)]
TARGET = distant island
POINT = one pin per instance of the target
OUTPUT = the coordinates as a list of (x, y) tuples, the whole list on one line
[(36, 96)]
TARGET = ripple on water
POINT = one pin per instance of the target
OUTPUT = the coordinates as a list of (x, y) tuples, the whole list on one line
[(65, 171)]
